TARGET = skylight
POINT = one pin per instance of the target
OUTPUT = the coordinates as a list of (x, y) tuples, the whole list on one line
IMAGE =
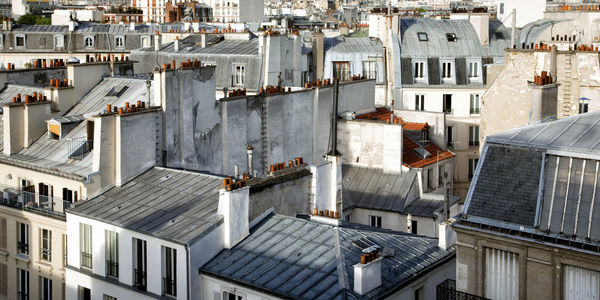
[(422, 36), (451, 37)]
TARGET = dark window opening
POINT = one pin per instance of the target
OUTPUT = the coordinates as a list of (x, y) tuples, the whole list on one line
[(422, 36), (451, 37)]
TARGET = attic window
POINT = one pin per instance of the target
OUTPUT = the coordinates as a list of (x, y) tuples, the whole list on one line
[(422, 36), (451, 37), (499, 35), (117, 91)]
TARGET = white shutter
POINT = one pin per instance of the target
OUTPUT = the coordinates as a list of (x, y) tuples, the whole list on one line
[(581, 283), (501, 275)]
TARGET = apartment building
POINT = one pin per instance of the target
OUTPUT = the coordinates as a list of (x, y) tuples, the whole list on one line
[(223, 11), (529, 225)]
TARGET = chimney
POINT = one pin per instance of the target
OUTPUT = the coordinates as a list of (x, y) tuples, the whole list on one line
[(82, 79), (544, 98), (203, 40), (234, 206), (318, 53), (447, 235), (176, 44), (119, 159), (157, 41), (553, 61), (326, 190), (367, 273), (481, 24), (131, 26), (23, 123), (513, 30)]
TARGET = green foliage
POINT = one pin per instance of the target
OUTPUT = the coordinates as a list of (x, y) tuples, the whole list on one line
[(31, 19)]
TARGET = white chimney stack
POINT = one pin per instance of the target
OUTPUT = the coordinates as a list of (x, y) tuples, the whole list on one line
[(131, 26), (367, 273), (157, 41), (447, 235), (176, 44), (234, 206)]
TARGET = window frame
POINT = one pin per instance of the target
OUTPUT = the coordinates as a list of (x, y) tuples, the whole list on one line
[(238, 77), (447, 74), (583, 106), (343, 73), (85, 233), (56, 38), (423, 70), (475, 109), (17, 37), (451, 37), (92, 39), (146, 37), (375, 221), (449, 131), (23, 284), (111, 253), (422, 37), (419, 102), (371, 69), (120, 38), (169, 255), (46, 245), (23, 246), (472, 167), (45, 288), (474, 135)]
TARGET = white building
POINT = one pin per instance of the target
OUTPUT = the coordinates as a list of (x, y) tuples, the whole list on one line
[(236, 11), (526, 11)]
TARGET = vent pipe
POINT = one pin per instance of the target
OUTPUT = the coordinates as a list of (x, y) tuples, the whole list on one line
[(336, 90), (553, 59), (250, 150), (514, 28), (176, 44)]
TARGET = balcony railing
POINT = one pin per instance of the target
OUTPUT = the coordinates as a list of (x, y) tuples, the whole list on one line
[(86, 260), (79, 147), (447, 291), (47, 205), (139, 279), (473, 143), (475, 111), (169, 286), (112, 268), (23, 248), (47, 254)]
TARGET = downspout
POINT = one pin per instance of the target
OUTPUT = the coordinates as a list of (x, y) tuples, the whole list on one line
[(189, 284), (385, 73)]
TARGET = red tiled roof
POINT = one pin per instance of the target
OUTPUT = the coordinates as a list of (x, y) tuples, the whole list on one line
[(409, 157)]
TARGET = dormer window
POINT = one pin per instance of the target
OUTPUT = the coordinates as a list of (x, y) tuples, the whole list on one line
[(120, 41), (88, 41), (20, 41), (451, 37), (59, 41), (422, 36)]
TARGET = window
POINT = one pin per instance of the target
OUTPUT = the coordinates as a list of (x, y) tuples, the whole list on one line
[(139, 263), (413, 227), (472, 166), (419, 70), (451, 37), (348, 218), (473, 69), (23, 238), (447, 102), (441, 175), (580, 283), (169, 270), (45, 288), (501, 274), (3, 233), (232, 296), (69, 195), (46, 251), (20, 40), (23, 277), (45, 193), (501, 8), (430, 180), (84, 293), (59, 41), (120, 41), (420, 102), (375, 221), (341, 70), (88, 41), (3, 280), (422, 36), (447, 70), (112, 253), (475, 104), (419, 293), (473, 135), (370, 69), (145, 42), (86, 245), (107, 297), (584, 105), (449, 136), (239, 74)]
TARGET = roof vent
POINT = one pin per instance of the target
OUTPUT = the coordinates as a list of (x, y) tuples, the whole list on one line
[(451, 37), (422, 152), (117, 91)]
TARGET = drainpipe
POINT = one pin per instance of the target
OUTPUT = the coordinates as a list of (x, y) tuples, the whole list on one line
[(334, 118), (553, 59), (189, 284), (514, 28)]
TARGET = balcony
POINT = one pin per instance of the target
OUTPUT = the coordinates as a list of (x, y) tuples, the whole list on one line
[(139, 279), (23, 248), (112, 268), (476, 111), (42, 204), (169, 286), (447, 291), (86, 260), (79, 147)]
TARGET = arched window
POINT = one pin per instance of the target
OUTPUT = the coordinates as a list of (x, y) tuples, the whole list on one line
[(89, 41), (119, 42)]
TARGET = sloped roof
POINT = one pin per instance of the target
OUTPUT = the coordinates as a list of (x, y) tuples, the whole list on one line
[(11, 90), (371, 188), (362, 45), (467, 43), (413, 160), (299, 259), (169, 204)]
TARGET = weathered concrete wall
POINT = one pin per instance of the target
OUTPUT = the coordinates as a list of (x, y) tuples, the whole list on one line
[(437, 121), (31, 77), (287, 194), (136, 142)]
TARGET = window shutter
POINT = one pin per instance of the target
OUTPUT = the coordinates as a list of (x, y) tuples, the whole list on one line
[(3, 280)]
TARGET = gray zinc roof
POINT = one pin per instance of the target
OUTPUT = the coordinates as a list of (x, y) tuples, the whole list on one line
[(299, 259), (371, 188), (40, 28), (169, 204), (225, 47), (354, 45), (466, 45), (11, 90)]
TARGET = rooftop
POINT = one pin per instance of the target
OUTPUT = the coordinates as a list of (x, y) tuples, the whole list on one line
[(169, 204), (358, 45), (11, 90), (300, 259), (215, 45)]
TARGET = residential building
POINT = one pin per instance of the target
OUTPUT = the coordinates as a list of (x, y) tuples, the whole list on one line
[(529, 225), (238, 11), (292, 258)]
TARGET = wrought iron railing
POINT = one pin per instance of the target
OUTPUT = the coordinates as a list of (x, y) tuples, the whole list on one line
[(23, 248), (475, 111), (79, 147), (112, 268), (447, 291), (47, 254), (169, 286), (48, 205), (473, 143), (139, 279), (86, 260)]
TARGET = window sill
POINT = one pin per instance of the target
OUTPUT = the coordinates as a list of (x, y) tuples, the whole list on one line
[(3, 252), (23, 257)]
